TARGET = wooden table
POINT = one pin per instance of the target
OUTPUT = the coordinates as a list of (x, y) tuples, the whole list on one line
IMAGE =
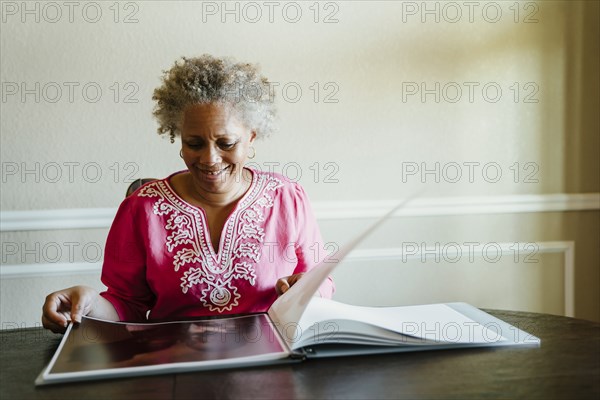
[(566, 366)]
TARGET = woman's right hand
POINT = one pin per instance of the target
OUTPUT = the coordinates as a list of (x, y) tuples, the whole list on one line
[(68, 305)]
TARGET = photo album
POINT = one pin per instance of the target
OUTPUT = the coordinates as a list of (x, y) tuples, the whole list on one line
[(298, 326)]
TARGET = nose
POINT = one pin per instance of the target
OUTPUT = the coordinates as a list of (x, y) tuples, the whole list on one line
[(211, 155)]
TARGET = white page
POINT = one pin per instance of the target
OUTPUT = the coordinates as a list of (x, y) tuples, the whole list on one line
[(288, 308), (344, 331), (433, 322)]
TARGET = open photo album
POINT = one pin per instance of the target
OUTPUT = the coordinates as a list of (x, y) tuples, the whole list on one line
[(297, 326)]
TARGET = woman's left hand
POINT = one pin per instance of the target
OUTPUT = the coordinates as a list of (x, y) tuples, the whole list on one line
[(283, 284)]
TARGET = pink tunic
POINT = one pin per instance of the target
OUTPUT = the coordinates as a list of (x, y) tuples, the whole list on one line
[(158, 255)]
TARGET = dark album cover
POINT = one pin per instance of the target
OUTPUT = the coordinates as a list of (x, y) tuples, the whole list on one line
[(96, 345)]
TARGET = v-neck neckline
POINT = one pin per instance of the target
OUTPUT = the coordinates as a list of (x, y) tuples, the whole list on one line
[(215, 255)]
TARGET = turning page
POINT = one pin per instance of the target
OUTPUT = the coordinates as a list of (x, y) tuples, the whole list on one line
[(288, 309)]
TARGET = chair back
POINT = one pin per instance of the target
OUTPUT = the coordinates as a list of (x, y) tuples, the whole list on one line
[(135, 185)]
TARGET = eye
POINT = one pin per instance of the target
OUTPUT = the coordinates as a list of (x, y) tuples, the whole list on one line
[(227, 145), (194, 145)]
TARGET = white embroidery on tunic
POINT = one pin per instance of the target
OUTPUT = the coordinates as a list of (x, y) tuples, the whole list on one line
[(242, 234)]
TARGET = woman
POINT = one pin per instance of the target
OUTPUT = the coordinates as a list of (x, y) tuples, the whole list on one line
[(217, 238)]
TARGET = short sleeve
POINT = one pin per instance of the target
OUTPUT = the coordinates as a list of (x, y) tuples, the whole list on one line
[(124, 268), (310, 249)]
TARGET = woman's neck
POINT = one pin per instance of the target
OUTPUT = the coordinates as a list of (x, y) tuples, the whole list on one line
[(220, 200)]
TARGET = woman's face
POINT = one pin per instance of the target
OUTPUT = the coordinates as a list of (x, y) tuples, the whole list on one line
[(215, 146)]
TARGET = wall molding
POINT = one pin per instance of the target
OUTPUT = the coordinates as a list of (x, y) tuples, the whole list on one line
[(20, 271), (40, 220), (567, 248), (443, 206), (93, 218), (368, 255)]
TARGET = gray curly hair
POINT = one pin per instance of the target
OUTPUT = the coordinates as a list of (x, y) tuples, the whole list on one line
[(208, 79)]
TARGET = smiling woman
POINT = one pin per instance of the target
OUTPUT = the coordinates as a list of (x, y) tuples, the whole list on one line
[(216, 238), (215, 146)]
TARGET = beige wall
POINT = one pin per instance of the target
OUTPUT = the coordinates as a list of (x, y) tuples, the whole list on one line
[(364, 132)]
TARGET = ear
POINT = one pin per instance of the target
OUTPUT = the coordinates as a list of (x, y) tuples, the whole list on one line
[(252, 136)]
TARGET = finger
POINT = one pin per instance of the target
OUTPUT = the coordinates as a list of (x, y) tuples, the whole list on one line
[(282, 286), (53, 327), (46, 323), (77, 306), (294, 278), (50, 311)]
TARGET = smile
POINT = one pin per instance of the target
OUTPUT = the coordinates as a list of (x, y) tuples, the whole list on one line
[(215, 173)]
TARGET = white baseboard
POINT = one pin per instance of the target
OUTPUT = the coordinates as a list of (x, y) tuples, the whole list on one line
[(86, 218)]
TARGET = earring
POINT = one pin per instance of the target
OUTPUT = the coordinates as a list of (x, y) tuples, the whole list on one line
[(253, 152), (181, 153)]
